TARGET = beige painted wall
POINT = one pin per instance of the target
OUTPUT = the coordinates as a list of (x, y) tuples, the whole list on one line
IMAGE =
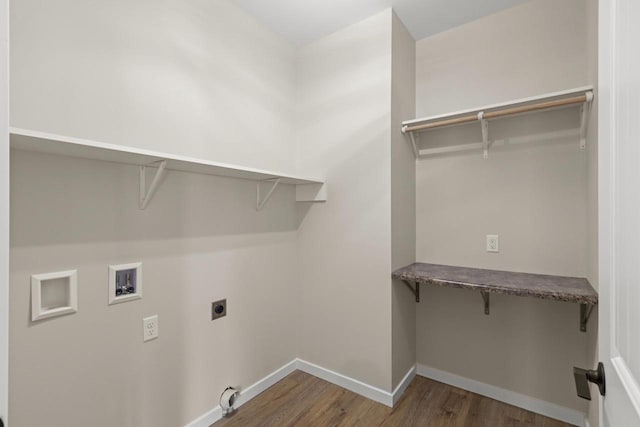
[(199, 240), (344, 251), (178, 76), (403, 199), (533, 195), (192, 77)]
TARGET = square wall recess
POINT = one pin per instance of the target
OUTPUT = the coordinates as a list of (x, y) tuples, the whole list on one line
[(54, 294), (125, 282)]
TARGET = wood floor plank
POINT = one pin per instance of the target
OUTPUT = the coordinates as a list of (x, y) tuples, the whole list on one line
[(301, 399)]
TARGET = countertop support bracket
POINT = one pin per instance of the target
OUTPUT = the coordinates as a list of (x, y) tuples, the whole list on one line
[(147, 195), (487, 300), (585, 313), (260, 203), (414, 290)]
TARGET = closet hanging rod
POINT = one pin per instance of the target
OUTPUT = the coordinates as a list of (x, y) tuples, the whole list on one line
[(581, 99)]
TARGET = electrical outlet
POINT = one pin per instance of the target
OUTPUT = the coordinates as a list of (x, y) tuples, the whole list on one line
[(218, 309), (493, 243), (150, 328)]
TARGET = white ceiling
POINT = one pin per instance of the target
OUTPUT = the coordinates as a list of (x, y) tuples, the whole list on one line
[(302, 21)]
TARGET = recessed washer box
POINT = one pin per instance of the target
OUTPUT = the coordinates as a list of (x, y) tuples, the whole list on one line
[(125, 282), (54, 294)]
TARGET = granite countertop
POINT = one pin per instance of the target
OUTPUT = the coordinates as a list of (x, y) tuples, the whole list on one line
[(560, 288)]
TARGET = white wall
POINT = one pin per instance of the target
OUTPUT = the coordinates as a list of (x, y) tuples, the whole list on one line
[(194, 77), (533, 195), (4, 206), (344, 94), (403, 199), (198, 78)]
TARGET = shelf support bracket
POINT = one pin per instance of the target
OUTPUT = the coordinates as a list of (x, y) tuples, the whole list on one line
[(412, 139), (414, 290), (585, 313), (585, 112), (147, 195), (260, 203), (487, 300), (484, 126)]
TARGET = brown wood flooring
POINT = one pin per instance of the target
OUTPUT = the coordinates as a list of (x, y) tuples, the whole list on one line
[(301, 399)]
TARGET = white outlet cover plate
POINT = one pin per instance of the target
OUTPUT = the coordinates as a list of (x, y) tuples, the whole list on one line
[(493, 243), (150, 328)]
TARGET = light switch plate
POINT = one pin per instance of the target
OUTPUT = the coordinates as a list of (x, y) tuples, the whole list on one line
[(493, 243), (150, 328)]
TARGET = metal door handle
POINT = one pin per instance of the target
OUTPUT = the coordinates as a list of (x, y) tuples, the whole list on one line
[(583, 377)]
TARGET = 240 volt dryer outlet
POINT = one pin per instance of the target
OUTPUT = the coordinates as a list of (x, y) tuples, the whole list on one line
[(218, 309)]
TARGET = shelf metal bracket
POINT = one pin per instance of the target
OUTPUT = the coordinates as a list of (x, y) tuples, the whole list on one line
[(415, 291), (412, 138), (585, 313), (585, 112), (147, 195), (487, 299), (484, 126), (260, 203)]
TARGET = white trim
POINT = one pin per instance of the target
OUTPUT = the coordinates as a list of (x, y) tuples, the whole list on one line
[(343, 381), (529, 403), (351, 384), (247, 394), (260, 386), (628, 381), (532, 404), (404, 383)]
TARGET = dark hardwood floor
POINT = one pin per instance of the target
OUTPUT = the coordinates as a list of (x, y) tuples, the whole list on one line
[(304, 400)]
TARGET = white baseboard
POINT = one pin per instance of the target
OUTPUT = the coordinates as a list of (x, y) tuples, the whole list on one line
[(247, 394), (343, 381), (402, 386), (548, 409), (529, 403), (358, 387)]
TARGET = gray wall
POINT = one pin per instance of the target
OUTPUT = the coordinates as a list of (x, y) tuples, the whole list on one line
[(344, 89), (403, 199), (533, 195)]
